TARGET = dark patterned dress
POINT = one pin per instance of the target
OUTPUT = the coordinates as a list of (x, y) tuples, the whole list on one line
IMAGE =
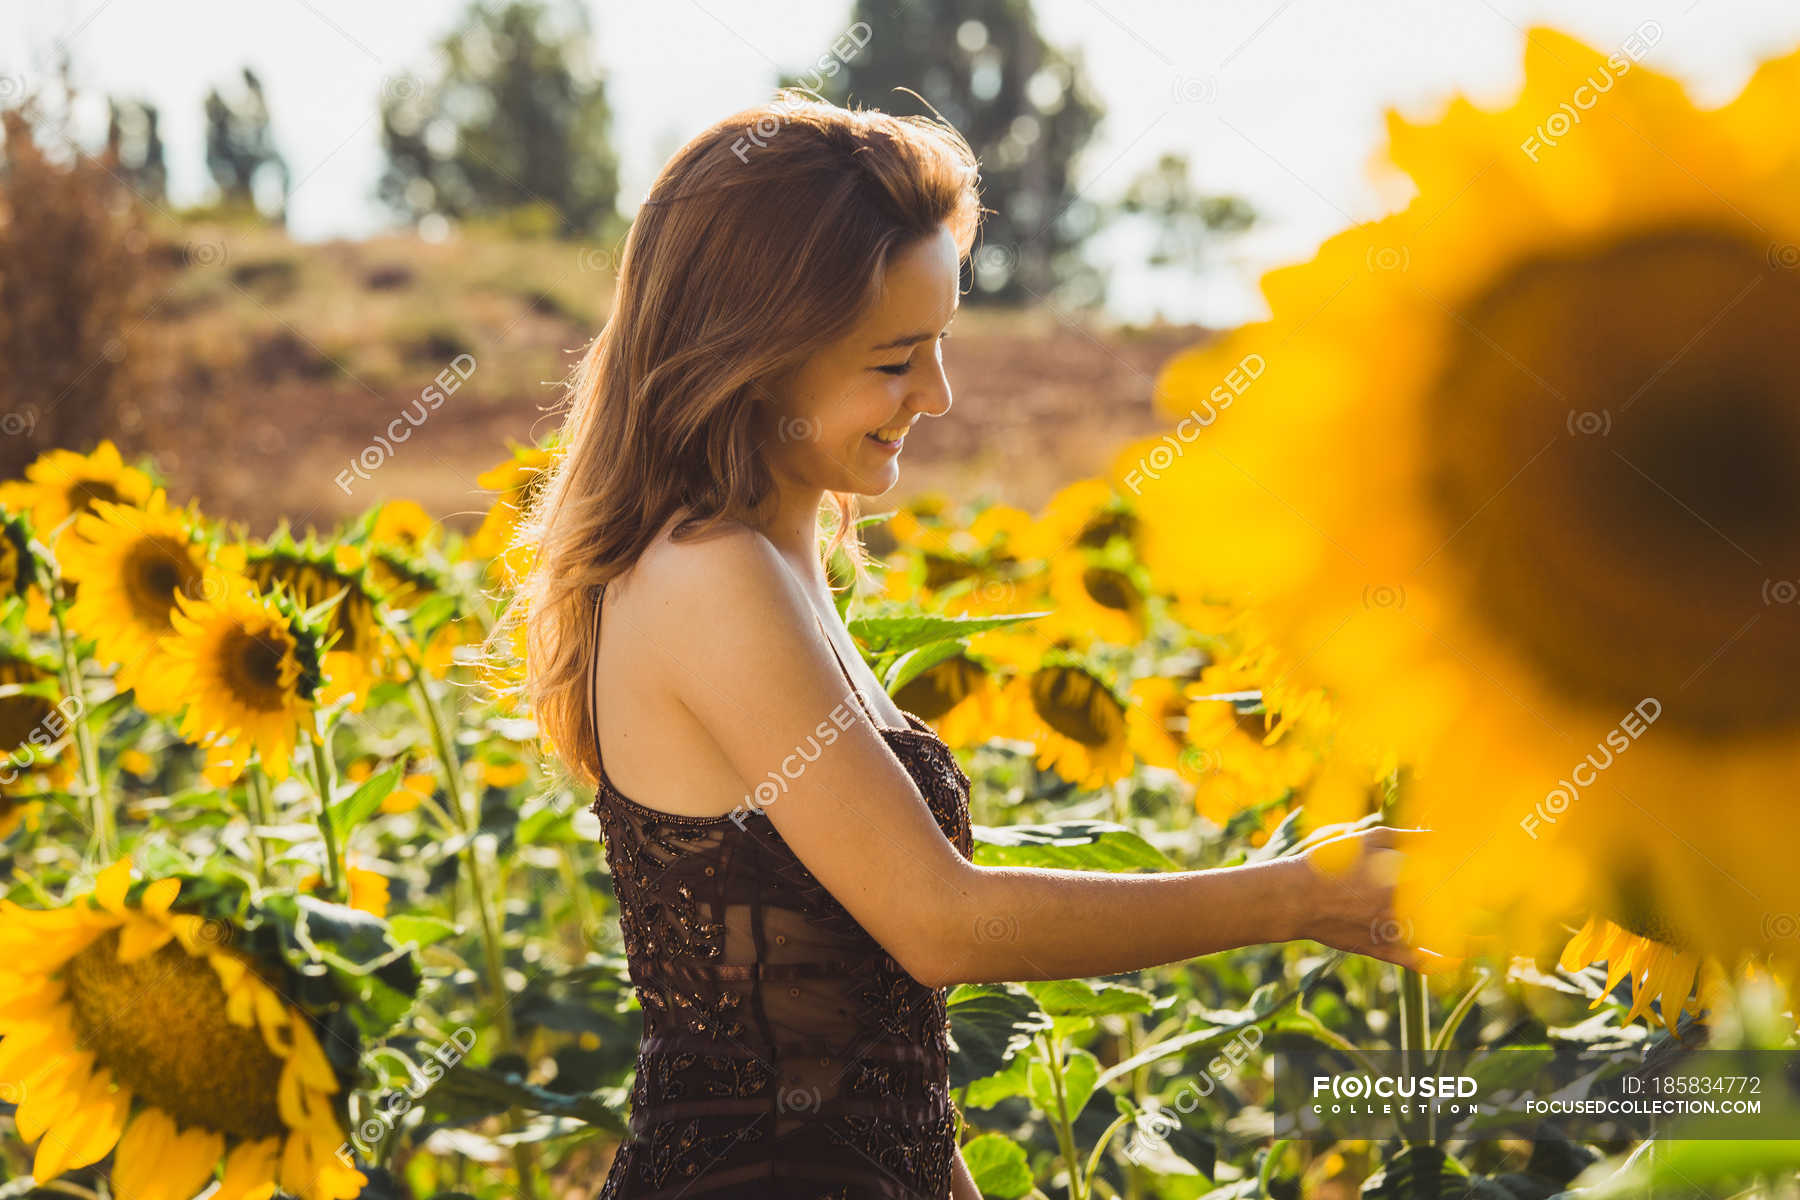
[(784, 1053)]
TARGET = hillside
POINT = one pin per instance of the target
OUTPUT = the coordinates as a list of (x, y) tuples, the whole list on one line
[(279, 363)]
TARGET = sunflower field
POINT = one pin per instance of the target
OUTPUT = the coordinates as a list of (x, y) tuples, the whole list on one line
[(298, 904)]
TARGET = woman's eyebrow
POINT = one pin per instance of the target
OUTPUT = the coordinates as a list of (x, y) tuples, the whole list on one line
[(913, 338)]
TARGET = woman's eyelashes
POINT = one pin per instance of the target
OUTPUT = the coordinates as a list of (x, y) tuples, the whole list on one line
[(903, 367)]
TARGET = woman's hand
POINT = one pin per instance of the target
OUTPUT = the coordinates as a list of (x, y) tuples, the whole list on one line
[(1350, 904)]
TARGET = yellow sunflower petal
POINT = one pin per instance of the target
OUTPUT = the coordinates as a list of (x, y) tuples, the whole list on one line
[(250, 1171), (88, 1133)]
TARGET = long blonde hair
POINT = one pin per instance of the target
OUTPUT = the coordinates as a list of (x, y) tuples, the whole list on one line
[(762, 241)]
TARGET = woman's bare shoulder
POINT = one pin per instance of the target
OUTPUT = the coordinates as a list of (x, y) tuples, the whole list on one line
[(730, 575)]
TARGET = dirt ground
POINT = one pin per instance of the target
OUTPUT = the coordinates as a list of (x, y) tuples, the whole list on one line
[(1032, 412)]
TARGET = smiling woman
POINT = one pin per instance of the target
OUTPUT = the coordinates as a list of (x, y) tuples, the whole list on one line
[(775, 334)]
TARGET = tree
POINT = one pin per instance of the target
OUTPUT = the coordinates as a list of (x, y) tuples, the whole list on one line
[(240, 151), (134, 141), (517, 118), (1025, 107), (73, 285), (1187, 220)]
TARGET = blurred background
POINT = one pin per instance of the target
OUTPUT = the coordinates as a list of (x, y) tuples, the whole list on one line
[(243, 238)]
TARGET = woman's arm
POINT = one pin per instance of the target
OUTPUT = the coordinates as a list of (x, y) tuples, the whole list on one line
[(744, 654), (962, 1184)]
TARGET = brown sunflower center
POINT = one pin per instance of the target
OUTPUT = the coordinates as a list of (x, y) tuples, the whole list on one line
[(250, 666), (1111, 589), (159, 1025), (1076, 705), (941, 571), (934, 692), (83, 492), (156, 568), (1617, 469)]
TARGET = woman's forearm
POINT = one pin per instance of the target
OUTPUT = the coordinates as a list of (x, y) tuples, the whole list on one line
[(1025, 923), (962, 1183)]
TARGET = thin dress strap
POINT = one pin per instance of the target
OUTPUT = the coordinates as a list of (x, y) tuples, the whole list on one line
[(845, 671), (593, 689), (593, 683)]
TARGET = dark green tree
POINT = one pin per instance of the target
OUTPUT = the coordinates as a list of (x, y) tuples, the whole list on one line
[(516, 118), (241, 154), (1025, 106), (134, 141)]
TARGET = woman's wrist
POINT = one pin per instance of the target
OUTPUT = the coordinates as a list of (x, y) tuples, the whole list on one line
[(1290, 903)]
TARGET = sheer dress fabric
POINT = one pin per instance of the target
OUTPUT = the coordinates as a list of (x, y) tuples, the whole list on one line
[(784, 1052)]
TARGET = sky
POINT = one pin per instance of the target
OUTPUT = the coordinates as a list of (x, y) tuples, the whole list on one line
[(1279, 101)]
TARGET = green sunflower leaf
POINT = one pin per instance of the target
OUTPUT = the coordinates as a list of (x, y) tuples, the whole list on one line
[(900, 633), (359, 805), (999, 1166), (1075, 845)]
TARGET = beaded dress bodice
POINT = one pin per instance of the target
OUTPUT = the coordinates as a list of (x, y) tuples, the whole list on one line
[(784, 1052)]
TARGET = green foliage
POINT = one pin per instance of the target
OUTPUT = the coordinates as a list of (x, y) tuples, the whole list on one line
[(514, 120), (1025, 106)]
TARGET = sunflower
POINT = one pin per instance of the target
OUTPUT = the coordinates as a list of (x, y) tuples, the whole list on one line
[(959, 696), (1086, 513), (20, 572), (248, 667), (132, 1029), (130, 565), (34, 734), (1238, 759), (962, 571), (1075, 719), (1518, 484), (362, 651), (368, 888), (517, 481), (1156, 720), (62, 484), (1094, 601), (1675, 980), (405, 524)]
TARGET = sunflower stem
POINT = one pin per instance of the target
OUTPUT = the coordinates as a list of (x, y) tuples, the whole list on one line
[(104, 837), (256, 806), (1415, 1042), (524, 1157), (322, 775)]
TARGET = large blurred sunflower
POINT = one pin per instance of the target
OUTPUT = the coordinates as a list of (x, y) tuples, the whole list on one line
[(129, 1028), (248, 669), (130, 565), (1519, 482)]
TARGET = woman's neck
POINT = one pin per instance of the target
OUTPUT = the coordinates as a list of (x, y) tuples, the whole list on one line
[(791, 523)]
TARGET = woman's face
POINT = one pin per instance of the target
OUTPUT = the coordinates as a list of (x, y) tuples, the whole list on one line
[(840, 421)]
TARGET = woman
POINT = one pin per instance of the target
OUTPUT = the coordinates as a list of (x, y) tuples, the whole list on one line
[(775, 332)]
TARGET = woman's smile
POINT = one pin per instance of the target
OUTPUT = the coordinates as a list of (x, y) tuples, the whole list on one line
[(890, 437)]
